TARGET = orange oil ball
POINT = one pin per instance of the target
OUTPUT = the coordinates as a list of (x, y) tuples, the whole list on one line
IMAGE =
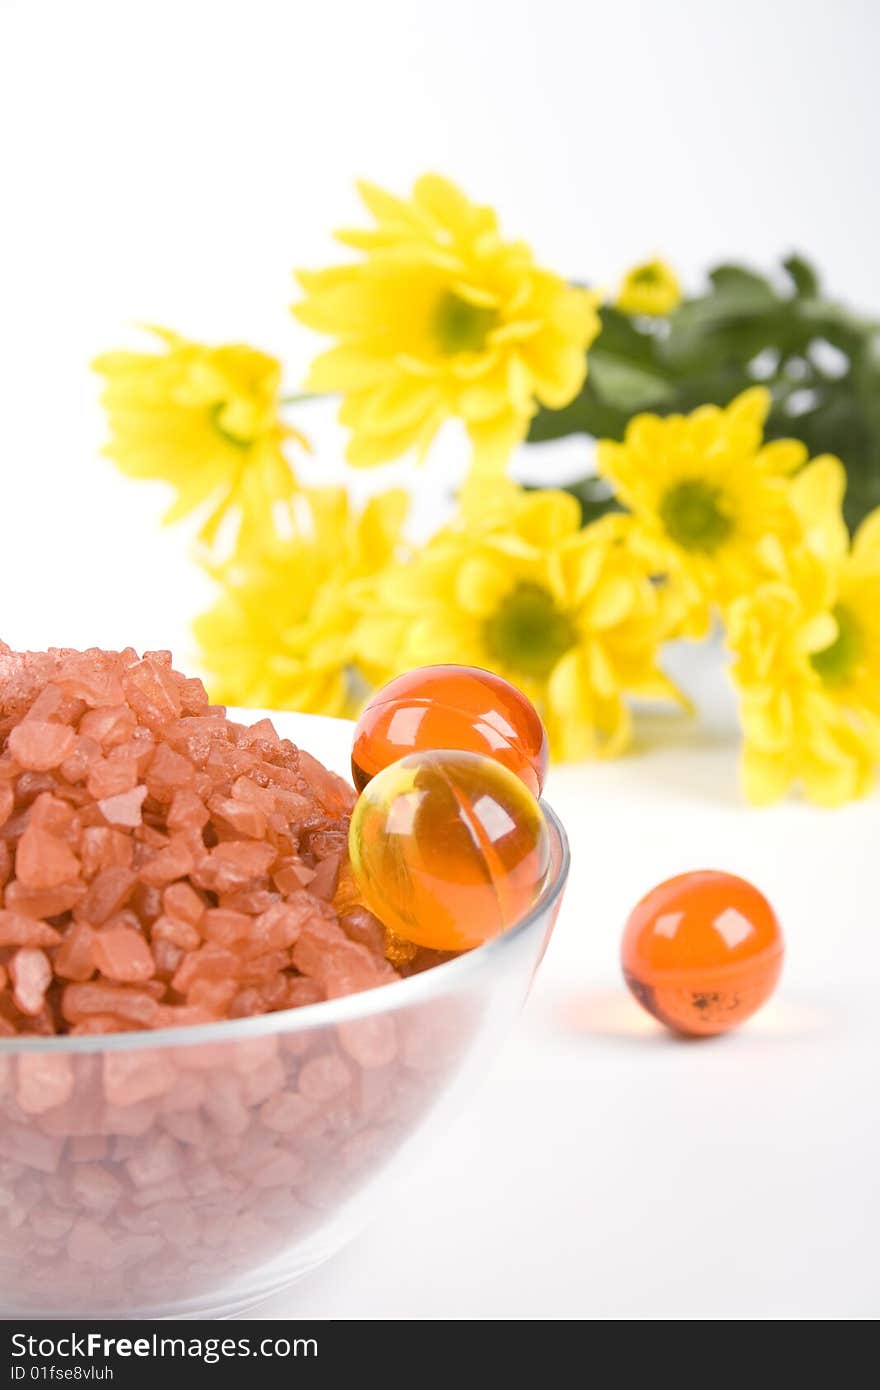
[(448, 848), (703, 951), (451, 707)]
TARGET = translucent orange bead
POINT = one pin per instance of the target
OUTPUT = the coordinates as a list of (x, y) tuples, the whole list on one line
[(451, 707), (448, 848), (702, 951)]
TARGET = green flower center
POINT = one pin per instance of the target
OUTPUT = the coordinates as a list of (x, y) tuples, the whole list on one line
[(528, 632), (460, 326), (236, 440), (646, 275), (837, 662), (692, 514)]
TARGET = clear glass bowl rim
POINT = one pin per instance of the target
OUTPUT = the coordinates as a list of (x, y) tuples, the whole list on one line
[(329, 1012)]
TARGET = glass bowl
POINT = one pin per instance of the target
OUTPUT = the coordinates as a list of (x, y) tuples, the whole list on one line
[(195, 1171)]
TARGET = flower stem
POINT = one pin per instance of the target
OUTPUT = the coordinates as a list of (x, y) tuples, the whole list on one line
[(299, 396)]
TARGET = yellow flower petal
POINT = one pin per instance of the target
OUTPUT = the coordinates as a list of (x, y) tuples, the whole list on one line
[(438, 297)]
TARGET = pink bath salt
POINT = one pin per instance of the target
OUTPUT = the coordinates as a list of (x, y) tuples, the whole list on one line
[(194, 697), (89, 1244), (263, 731), (173, 862), (322, 1078), (232, 865), (140, 747), (95, 1189), (181, 900), (110, 726), (212, 996), (209, 962), (224, 1106), (178, 933), (151, 694), (186, 1095), (146, 901), (7, 801), (336, 796), (31, 785), (43, 860), (43, 902), (371, 1042), (286, 1112), (327, 841), (323, 947), (112, 776), (124, 809), (52, 1223), (16, 929), (168, 958), (251, 901), (100, 1024), (239, 815), (31, 975), (51, 705), (108, 892), (245, 790), (76, 768), (263, 968), (361, 926), (140, 1075), (122, 954), (156, 1161), (88, 1148), (289, 875), (74, 959), (283, 1169), (103, 848), (267, 996), (187, 811), (40, 746), (54, 815), (282, 924), (80, 677), (302, 991), (226, 928), (326, 877), (44, 1080), (167, 773), (135, 1006), (27, 1145)]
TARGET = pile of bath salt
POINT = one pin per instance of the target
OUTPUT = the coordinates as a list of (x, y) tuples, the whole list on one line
[(160, 864)]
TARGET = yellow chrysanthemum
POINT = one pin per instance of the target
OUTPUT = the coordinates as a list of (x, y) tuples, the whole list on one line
[(703, 490), (806, 647), (280, 636), (205, 420), (651, 288), (441, 318), (567, 614)]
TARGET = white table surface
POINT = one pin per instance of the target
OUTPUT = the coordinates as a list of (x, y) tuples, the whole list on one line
[(607, 1170)]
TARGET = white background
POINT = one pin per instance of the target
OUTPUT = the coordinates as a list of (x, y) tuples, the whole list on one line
[(171, 162)]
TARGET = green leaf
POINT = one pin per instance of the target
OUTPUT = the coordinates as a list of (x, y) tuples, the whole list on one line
[(802, 275), (747, 286), (628, 386), (707, 350)]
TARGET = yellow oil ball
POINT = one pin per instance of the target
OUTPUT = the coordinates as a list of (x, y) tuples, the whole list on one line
[(449, 849)]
